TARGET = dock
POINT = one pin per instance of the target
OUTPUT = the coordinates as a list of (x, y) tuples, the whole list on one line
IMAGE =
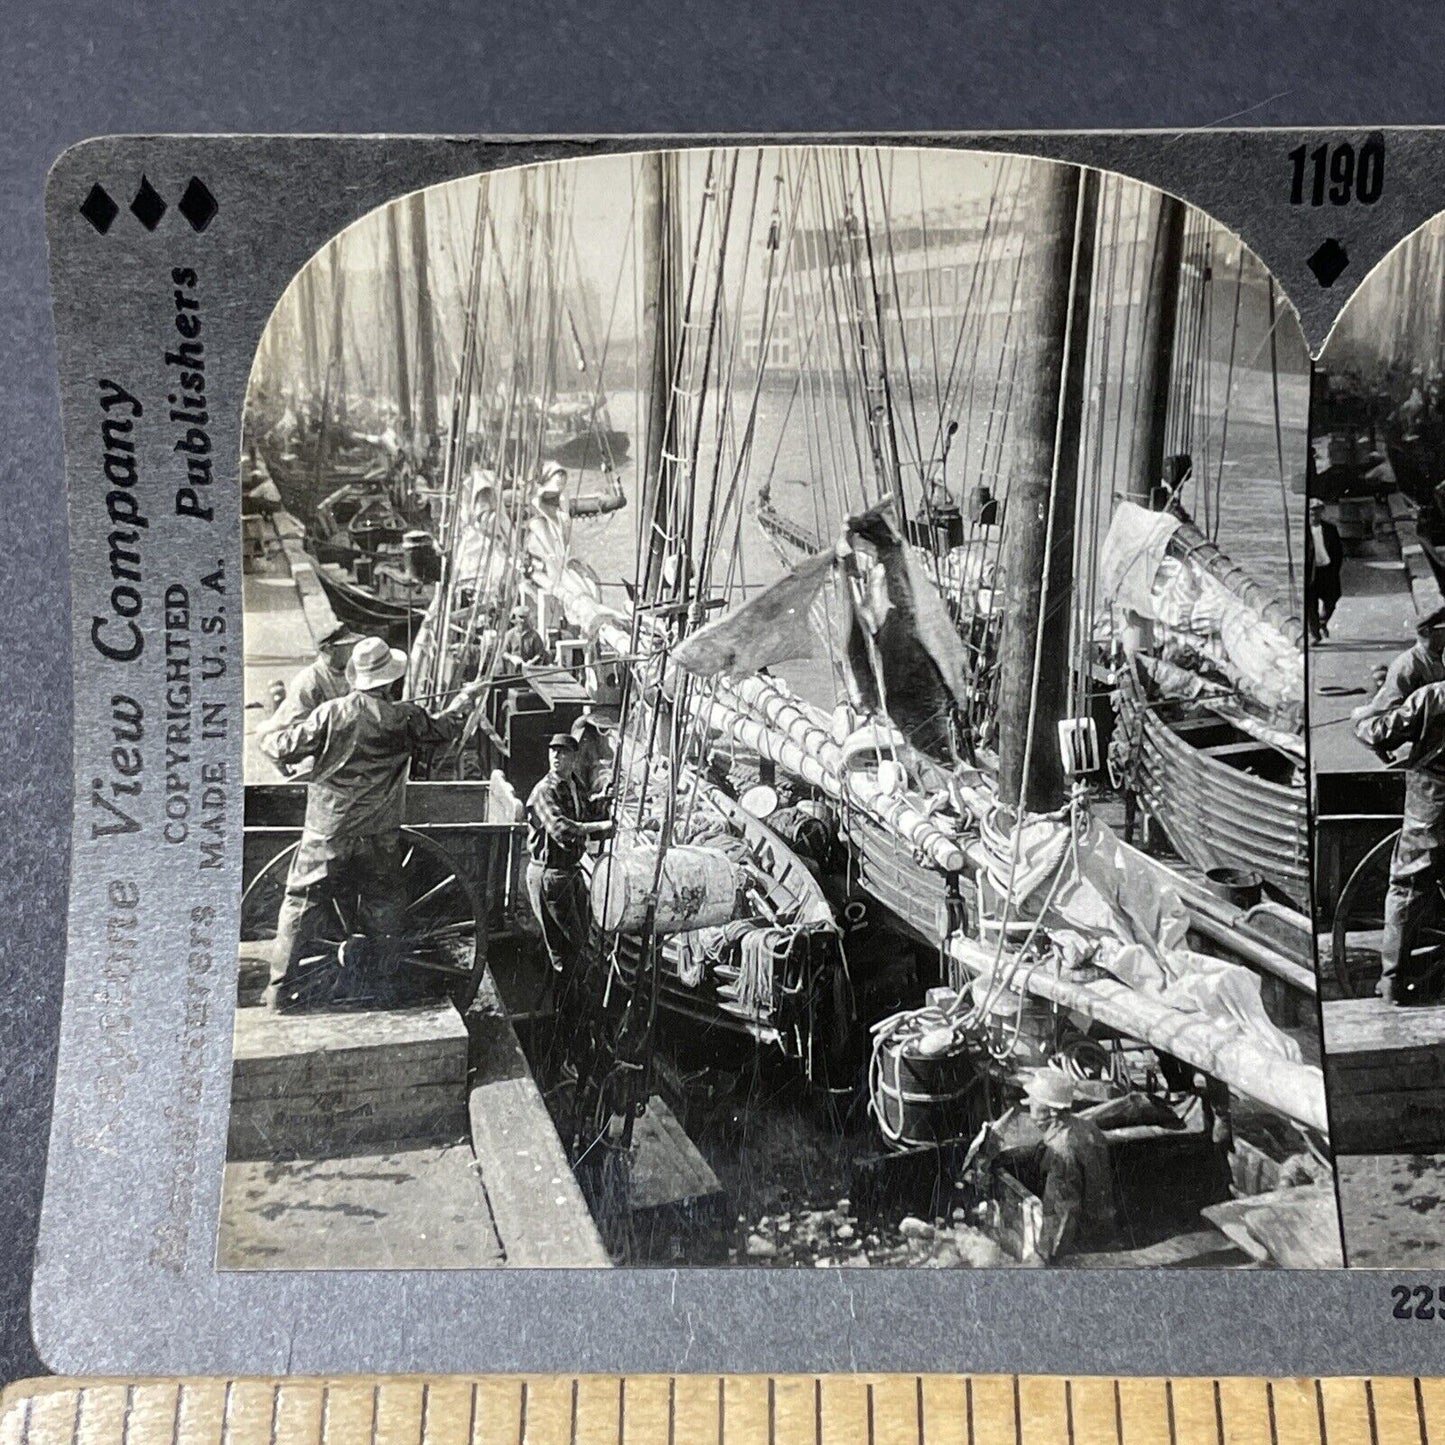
[(385, 1138), (286, 614), (1387, 1203), (1374, 623), (1384, 1066), (393, 1138)]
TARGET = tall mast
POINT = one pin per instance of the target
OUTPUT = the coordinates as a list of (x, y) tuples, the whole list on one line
[(403, 369), (1034, 650), (309, 317), (660, 325), (426, 364), (1161, 318), (333, 390)]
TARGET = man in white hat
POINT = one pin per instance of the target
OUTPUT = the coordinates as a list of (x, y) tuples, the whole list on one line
[(362, 745), (1069, 1169), (522, 643)]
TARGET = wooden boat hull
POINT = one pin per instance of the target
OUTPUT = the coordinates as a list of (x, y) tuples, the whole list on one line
[(812, 1020), (589, 451), (914, 891), (1223, 798), (360, 608), (303, 490)]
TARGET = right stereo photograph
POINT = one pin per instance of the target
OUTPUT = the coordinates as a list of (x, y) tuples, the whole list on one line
[(1375, 587)]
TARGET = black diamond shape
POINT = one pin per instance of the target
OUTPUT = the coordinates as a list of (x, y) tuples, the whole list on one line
[(99, 209), (1328, 262), (198, 205), (148, 208)]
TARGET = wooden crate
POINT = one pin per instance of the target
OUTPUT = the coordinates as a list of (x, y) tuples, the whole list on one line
[(326, 1084), (1385, 1072)]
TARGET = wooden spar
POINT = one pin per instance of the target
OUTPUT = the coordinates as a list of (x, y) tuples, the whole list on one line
[(1161, 318), (1034, 665), (1191, 543), (426, 363), (660, 322), (785, 734), (1295, 1090), (764, 697), (398, 301)]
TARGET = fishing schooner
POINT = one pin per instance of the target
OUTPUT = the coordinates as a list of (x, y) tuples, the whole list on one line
[(1007, 639)]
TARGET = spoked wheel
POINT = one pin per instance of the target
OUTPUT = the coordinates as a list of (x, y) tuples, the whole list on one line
[(1359, 918), (444, 932), (1359, 922)]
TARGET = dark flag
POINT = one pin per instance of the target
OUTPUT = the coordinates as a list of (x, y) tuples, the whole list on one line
[(904, 654)]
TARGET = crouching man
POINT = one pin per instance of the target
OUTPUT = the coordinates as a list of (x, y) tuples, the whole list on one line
[(1066, 1163)]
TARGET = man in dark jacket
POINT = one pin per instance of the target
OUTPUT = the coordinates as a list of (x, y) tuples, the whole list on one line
[(362, 745), (321, 680), (560, 820), (1065, 1161), (1324, 557), (1074, 1170), (1417, 865)]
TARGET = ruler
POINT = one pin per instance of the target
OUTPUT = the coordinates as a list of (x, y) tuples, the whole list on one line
[(725, 1410)]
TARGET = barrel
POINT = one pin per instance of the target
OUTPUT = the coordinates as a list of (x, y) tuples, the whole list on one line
[(419, 554), (1018, 1022), (700, 888), (920, 1099)]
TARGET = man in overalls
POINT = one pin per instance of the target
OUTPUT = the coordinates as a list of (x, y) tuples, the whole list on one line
[(1418, 862)]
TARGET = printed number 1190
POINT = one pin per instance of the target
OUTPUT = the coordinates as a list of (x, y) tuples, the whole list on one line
[(1338, 174)]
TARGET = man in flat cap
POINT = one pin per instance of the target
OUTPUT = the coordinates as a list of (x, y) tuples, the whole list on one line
[(361, 746), (1324, 562), (1417, 865), (1391, 719), (561, 818), (322, 680), (1414, 668)]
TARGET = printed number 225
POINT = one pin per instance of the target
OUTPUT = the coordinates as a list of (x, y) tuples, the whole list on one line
[(1417, 1303), (1338, 174)]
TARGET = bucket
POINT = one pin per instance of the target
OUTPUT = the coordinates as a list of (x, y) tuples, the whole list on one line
[(920, 1099), (1235, 885)]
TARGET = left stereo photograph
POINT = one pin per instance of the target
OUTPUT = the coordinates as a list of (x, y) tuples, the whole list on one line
[(734, 706), (773, 695)]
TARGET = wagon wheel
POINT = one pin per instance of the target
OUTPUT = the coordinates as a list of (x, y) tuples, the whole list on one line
[(1361, 909), (445, 934)]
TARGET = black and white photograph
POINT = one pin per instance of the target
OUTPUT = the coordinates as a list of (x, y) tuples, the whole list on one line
[(775, 722), (1376, 559)]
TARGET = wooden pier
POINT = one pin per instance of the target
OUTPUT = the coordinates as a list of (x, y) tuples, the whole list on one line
[(393, 1138), (1384, 1066), (388, 1138)]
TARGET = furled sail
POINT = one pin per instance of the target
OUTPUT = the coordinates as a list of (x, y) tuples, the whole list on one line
[(1198, 622)]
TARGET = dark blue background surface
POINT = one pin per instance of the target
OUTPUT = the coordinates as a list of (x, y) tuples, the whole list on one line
[(72, 70)]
